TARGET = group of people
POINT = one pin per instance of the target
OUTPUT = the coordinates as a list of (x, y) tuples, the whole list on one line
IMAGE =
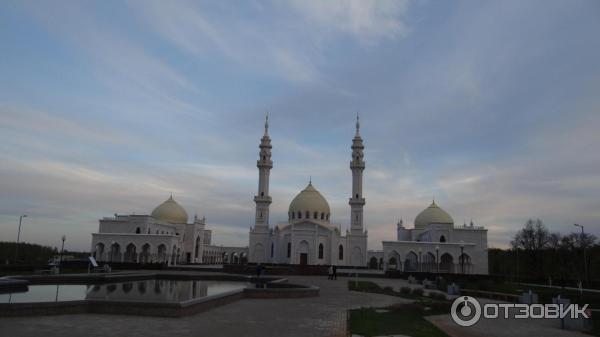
[(332, 273)]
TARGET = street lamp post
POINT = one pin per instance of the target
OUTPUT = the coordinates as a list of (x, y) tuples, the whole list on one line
[(18, 237), (461, 257), (62, 249), (437, 259), (583, 248)]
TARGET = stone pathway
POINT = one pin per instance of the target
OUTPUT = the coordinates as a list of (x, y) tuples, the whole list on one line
[(318, 316)]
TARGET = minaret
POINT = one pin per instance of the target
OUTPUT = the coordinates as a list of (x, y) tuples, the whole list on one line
[(357, 165), (264, 164)]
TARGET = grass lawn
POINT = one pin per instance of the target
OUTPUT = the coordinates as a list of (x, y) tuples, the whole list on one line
[(407, 319)]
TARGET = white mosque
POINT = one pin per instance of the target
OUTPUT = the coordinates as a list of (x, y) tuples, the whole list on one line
[(434, 245), (306, 238), (164, 236)]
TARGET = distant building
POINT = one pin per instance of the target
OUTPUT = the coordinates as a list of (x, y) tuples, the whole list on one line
[(434, 245), (308, 237), (165, 236)]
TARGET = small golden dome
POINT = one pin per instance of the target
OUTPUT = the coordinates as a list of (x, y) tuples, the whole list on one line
[(170, 211), (432, 214)]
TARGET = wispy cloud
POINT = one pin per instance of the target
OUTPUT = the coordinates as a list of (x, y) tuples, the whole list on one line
[(108, 107)]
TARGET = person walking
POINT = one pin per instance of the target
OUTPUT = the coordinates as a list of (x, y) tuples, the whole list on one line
[(330, 272), (334, 273), (258, 271)]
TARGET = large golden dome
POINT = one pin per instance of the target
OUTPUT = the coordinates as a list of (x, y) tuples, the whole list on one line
[(170, 211), (432, 215), (309, 201)]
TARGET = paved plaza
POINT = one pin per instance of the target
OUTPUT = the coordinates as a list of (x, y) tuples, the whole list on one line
[(318, 316)]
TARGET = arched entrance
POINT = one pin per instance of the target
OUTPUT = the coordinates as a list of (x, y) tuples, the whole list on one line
[(356, 259), (145, 255), (302, 252), (429, 263), (99, 252), (373, 263), (197, 249), (259, 253), (130, 253), (162, 253), (394, 262), (115, 252), (464, 263), (446, 263), (412, 262)]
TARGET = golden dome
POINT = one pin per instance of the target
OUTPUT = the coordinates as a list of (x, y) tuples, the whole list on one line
[(432, 214), (170, 211), (309, 200)]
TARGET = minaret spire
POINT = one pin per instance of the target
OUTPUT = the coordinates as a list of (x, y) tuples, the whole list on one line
[(357, 126), (267, 124)]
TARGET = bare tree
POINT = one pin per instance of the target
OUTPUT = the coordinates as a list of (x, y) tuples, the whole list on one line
[(533, 237)]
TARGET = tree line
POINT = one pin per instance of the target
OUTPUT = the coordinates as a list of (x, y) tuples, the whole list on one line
[(536, 254), (30, 253)]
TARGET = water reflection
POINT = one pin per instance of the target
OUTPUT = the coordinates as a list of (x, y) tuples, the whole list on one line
[(163, 291)]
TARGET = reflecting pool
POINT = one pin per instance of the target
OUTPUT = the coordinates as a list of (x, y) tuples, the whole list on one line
[(162, 291)]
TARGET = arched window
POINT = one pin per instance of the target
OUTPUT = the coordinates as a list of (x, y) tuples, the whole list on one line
[(357, 196), (327, 217), (442, 238), (299, 215), (293, 215), (264, 157), (157, 231), (316, 215), (138, 230), (289, 250), (272, 249), (320, 251), (322, 215), (341, 252), (307, 215), (262, 194)]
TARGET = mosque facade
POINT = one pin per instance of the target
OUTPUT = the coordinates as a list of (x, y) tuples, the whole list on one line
[(308, 237), (164, 236)]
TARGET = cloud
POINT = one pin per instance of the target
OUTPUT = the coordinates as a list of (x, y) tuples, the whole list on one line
[(489, 107), (366, 20)]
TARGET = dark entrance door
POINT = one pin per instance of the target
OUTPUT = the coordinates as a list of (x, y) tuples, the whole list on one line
[(303, 258), (188, 257)]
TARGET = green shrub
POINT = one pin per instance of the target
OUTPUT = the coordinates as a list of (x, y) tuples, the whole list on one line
[(405, 290), (365, 286), (417, 291), (437, 296)]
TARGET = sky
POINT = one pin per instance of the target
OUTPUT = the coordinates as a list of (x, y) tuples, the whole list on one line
[(490, 107)]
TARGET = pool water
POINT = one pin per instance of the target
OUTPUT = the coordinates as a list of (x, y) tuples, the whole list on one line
[(163, 291)]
